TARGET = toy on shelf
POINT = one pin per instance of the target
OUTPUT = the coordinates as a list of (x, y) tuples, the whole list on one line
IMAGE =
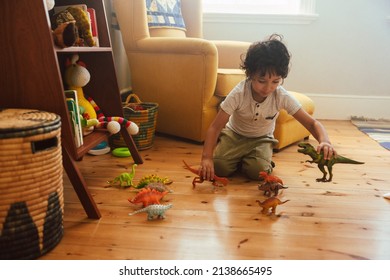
[(270, 203), (76, 77), (217, 181), (125, 179), (147, 197), (72, 27), (154, 210), (308, 149), (149, 179)]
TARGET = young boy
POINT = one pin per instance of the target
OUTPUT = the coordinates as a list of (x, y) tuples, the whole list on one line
[(241, 135)]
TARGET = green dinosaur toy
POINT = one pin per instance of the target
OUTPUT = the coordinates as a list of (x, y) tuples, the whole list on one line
[(309, 150), (125, 179), (149, 179)]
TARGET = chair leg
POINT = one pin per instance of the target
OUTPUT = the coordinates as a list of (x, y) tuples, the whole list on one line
[(132, 147), (80, 185)]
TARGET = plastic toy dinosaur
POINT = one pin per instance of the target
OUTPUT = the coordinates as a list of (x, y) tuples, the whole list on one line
[(154, 210), (270, 188), (147, 197), (309, 150), (270, 203), (158, 186), (268, 178), (217, 181), (146, 180), (125, 179)]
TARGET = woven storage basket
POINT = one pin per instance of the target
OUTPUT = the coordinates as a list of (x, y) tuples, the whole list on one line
[(145, 118), (31, 186)]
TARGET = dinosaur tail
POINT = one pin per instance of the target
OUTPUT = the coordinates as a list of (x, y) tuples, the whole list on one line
[(341, 159), (137, 211), (283, 202)]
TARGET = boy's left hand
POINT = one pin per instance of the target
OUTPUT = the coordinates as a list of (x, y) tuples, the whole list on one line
[(327, 149)]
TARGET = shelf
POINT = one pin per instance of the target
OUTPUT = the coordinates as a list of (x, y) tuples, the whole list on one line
[(83, 49), (91, 141)]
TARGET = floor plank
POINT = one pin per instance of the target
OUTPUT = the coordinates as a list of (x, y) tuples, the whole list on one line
[(344, 219)]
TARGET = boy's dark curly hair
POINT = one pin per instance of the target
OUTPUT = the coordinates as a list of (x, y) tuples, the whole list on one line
[(267, 57)]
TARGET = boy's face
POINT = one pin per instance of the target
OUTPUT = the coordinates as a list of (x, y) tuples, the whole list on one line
[(264, 86)]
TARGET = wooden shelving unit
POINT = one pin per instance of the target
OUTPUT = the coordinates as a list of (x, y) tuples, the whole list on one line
[(32, 68)]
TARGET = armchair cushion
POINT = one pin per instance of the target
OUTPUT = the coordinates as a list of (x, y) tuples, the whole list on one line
[(227, 79), (164, 14)]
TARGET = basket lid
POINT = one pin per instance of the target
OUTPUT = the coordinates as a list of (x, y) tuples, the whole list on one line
[(24, 122)]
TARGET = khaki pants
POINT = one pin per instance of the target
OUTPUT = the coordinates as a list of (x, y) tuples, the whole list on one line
[(234, 151)]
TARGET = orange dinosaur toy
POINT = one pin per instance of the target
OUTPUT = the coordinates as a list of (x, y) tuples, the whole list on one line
[(148, 196), (224, 181), (267, 178), (272, 203)]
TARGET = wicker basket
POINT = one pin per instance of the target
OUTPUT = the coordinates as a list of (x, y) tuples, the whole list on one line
[(31, 186), (145, 118)]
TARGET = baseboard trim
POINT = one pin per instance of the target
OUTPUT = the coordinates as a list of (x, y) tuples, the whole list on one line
[(343, 107)]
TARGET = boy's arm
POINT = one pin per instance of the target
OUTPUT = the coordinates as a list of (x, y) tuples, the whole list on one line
[(318, 131)]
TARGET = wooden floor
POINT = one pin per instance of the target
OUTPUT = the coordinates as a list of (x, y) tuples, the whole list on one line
[(345, 219)]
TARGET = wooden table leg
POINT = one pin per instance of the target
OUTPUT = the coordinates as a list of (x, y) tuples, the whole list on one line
[(80, 186)]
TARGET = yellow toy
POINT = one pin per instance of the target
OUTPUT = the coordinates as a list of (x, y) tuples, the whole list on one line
[(76, 77)]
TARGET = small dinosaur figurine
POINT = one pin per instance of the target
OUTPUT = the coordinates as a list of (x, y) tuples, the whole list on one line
[(216, 180), (268, 178), (270, 188), (308, 149), (125, 179), (147, 197), (270, 203), (154, 210), (148, 179)]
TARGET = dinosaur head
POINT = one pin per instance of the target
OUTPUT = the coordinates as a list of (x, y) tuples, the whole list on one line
[(305, 148)]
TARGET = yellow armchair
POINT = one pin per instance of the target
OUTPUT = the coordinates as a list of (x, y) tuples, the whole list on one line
[(177, 68), (185, 74)]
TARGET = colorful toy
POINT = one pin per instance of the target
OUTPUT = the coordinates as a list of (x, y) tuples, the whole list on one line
[(125, 179), (268, 178), (217, 181), (83, 25), (154, 210), (270, 188), (76, 77), (159, 186), (72, 27), (147, 197), (270, 203), (146, 180), (100, 149), (308, 149), (121, 152)]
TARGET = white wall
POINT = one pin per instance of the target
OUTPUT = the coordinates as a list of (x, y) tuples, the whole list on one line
[(341, 60)]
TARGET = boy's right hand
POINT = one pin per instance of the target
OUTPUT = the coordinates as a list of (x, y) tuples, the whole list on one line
[(206, 169)]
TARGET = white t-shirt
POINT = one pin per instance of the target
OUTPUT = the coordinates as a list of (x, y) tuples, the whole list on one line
[(250, 118)]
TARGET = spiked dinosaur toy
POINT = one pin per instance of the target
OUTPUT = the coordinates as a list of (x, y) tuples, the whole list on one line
[(217, 181), (148, 197), (270, 184), (308, 149), (154, 210)]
